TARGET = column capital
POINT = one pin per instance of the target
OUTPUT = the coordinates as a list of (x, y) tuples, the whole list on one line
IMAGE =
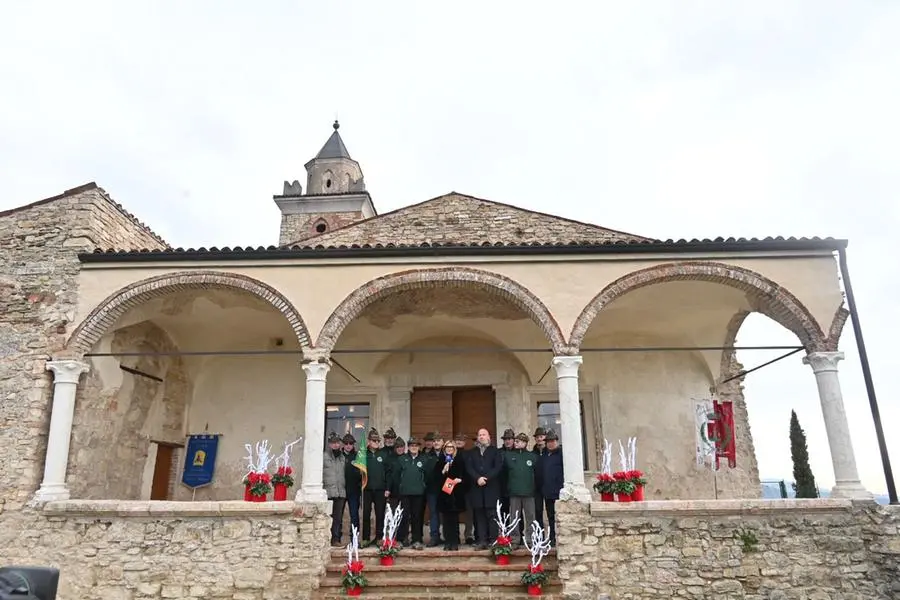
[(67, 370), (823, 361), (316, 371), (566, 366)]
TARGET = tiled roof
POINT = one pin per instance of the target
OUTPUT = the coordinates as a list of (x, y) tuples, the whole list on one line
[(436, 249)]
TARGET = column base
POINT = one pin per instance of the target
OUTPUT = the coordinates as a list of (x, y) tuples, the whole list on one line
[(574, 491), (850, 489), (311, 495), (51, 493)]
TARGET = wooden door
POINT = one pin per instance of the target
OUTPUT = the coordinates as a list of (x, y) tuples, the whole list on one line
[(162, 472), (431, 409), (473, 409)]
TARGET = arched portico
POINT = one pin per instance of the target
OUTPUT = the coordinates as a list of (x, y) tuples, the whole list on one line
[(144, 390), (114, 306), (450, 277), (768, 297)]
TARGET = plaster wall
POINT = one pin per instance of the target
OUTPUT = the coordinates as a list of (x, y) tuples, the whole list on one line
[(317, 287), (247, 399)]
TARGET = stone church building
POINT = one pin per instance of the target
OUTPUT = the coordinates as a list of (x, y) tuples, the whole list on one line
[(452, 314)]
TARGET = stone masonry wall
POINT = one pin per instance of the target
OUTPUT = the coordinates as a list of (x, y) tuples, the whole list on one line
[(299, 227), (736, 549), (458, 219), (38, 293), (122, 551), (118, 414)]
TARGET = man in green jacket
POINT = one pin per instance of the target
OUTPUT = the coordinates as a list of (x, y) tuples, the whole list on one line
[(375, 494), (414, 473), (520, 466), (393, 449), (508, 438)]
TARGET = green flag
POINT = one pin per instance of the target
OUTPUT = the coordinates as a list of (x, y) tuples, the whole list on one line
[(360, 463)]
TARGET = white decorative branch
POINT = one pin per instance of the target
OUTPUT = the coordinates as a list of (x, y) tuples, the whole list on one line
[(540, 544), (506, 524), (392, 522), (284, 459)]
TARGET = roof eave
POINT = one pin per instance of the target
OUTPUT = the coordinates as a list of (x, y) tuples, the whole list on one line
[(426, 250)]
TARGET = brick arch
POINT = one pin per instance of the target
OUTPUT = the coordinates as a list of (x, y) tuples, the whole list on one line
[(770, 298), (108, 312), (502, 287)]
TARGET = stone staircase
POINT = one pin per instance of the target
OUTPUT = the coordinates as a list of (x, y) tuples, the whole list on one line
[(434, 574)]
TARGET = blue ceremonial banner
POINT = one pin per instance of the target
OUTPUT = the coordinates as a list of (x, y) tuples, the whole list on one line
[(200, 460)]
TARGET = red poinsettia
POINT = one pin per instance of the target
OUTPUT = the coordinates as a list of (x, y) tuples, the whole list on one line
[(605, 484), (388, 548), (534, 576), (352, 577), (260, 483), (284, 475), (503, 545), (354, 568)]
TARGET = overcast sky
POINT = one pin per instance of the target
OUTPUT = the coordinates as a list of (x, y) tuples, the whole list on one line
[(678, 119)]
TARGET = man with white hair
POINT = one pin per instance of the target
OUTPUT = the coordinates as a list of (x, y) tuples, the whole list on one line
[(484, 465)]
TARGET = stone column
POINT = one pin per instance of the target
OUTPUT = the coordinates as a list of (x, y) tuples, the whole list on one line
[(66, 374), (570, 415), (399, 399), (311, 489), (846, 477)]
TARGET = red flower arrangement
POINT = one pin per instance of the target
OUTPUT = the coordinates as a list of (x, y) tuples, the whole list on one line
[(535, 579), (258, 484), (352, 579), (284, 476), (502, 549), (605, 486), (388, 548)]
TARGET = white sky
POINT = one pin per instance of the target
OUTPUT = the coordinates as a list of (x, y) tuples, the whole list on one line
[(676, 119)]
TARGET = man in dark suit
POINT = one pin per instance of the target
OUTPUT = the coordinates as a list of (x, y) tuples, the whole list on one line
[(484, 465)]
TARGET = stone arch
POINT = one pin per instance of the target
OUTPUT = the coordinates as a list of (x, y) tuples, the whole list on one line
[(837, 327), (108, 312), (769, 298), (500, 286)]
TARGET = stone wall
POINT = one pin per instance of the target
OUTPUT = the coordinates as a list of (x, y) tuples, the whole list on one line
[(455, 218), (119, 413), (38, 293), (299, 227), (142, 550), (747, 549)]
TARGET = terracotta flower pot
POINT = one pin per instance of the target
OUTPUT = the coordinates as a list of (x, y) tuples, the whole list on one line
[(354, 591), (280, 494), (387, 561), (534, 590), (638, 494), (605, 497), (503, 559)]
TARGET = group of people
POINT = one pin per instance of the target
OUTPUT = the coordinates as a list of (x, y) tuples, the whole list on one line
[(456, 485)]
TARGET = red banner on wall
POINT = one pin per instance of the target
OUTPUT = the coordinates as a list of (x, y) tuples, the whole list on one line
[(720, 429)]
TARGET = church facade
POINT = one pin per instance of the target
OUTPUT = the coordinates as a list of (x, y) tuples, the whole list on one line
[(450, 315)]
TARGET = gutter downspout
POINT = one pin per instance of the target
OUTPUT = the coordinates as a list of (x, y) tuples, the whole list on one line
[(867, 376)]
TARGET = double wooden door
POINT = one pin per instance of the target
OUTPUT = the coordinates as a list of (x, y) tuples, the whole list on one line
[(453, 410)]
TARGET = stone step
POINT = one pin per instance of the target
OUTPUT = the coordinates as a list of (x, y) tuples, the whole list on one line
[(369, 594), (449, 584), (399, 568), (371, 554)]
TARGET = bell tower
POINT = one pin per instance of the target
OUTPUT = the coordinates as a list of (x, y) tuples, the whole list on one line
[(335, 196)]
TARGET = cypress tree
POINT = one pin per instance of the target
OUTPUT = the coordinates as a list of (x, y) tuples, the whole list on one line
[(804, 482)]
